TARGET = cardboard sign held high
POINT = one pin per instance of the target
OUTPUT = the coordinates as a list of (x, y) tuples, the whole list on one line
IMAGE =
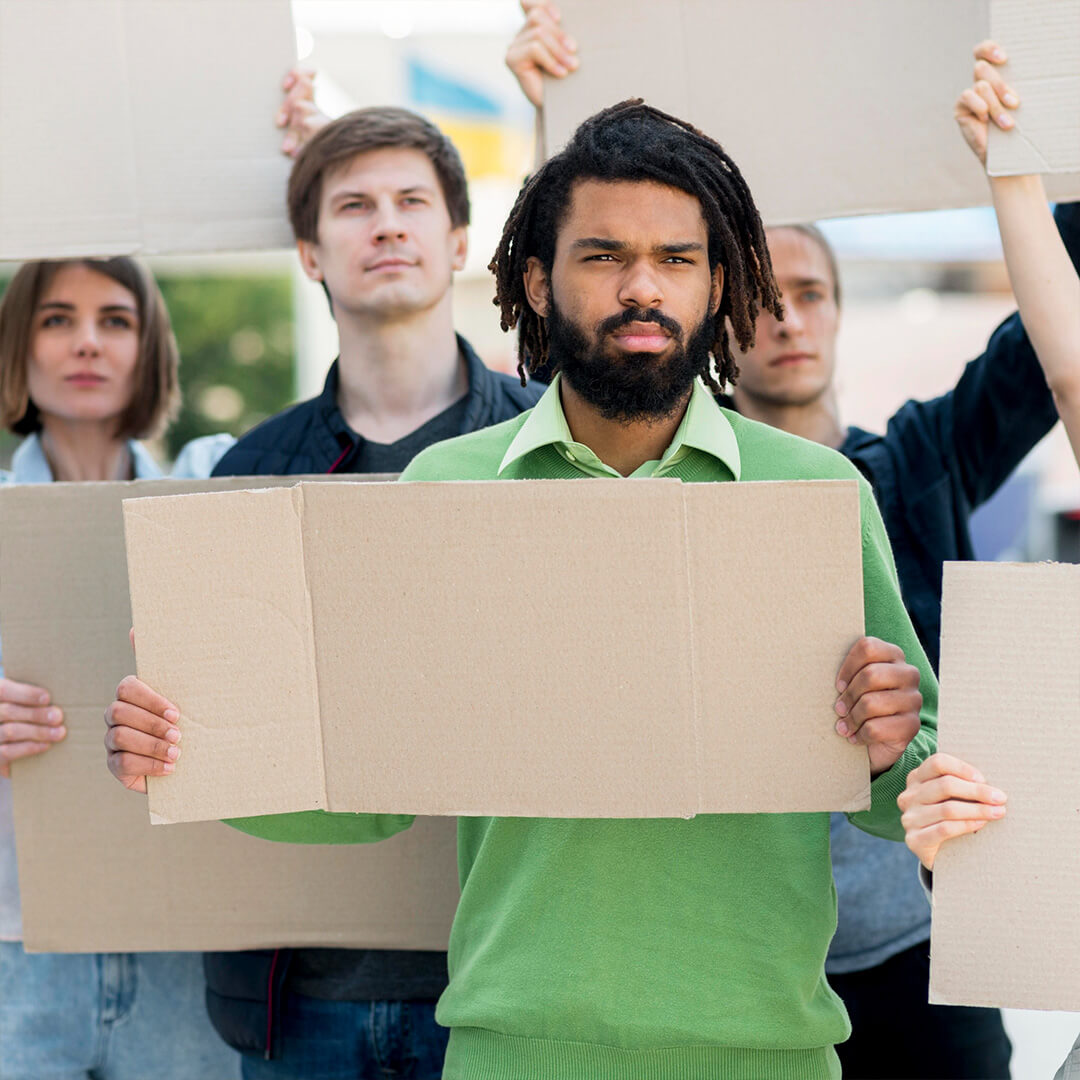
[(665, 650), (833, 108), (131, 126)]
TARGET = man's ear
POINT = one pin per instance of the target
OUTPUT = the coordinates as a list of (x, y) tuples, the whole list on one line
[(309, 259), (537, 287), (459, 247), (717, 292)]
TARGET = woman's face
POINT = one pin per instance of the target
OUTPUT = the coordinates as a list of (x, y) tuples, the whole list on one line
[(83, 348)]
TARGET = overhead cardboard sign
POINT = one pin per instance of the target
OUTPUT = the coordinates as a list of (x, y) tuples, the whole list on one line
[(1043, 38), (142, 126), (94, 875), (404, 648), (1005, 927), (829, 109)]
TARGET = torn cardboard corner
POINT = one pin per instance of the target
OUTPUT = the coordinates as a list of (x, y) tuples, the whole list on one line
[(375, 649), (94, 875), (1042, 41), (733, 67), (112, 147), (1005, 927)]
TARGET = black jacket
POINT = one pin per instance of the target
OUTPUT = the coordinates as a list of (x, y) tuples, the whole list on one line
[(312, 437), (243, 989), (940, 460)]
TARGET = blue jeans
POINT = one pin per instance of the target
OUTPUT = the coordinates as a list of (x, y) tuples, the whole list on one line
[(354, 1040), (107, 1016)]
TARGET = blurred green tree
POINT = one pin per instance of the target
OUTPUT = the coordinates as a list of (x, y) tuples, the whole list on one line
[(236, 352)]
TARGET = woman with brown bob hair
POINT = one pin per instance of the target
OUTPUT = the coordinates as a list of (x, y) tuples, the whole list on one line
[(88, 365)]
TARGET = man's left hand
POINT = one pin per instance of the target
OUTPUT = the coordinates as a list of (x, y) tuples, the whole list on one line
[(879, 701)]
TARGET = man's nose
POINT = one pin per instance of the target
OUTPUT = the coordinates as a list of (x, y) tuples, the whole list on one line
[(641, 287), (791, 324), (389, 224)]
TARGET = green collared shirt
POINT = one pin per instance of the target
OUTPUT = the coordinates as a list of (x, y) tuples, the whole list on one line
[(704, 429), (542, 898)]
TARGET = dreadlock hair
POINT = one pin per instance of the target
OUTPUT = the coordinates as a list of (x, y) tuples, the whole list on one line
[(635, 142)]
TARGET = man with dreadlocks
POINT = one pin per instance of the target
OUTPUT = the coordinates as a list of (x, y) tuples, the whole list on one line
[(936, 462), (647, 949)]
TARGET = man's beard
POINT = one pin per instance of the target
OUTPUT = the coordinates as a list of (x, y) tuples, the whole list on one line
[(631, 386)]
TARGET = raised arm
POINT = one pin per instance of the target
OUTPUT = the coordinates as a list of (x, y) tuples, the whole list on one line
[(1043, 276)]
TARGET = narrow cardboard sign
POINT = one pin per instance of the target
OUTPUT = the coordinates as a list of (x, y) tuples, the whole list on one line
[(1042, 40), (142, 126), (850, 145), (1005, 927), (373, 650), (94, 875)]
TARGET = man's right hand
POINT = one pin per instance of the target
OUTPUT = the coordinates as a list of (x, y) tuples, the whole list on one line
[(29, 725), (540, 48), (141, 736)]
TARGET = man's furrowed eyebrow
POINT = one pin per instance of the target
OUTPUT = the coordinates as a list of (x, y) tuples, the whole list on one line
[(682, 247), (600, 242), (603, 243)]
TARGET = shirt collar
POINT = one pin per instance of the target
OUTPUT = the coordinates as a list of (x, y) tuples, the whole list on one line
[(704, 427), (29, 465)]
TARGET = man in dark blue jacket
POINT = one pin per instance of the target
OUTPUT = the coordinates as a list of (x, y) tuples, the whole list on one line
[(379, 206), (935, 464)]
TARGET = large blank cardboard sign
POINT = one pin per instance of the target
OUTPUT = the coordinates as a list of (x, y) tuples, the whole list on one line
[(1006, 930), (142, 126), (829, 109), (95, 876), (404, 648)]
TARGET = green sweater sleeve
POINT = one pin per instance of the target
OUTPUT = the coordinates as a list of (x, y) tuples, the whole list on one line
[(886, 618), (320, 827)]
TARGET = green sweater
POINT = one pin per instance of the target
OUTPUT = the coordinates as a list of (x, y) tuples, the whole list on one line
[(642, 949)]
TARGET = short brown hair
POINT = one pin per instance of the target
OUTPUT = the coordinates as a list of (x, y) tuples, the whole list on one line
[(157, 391), (358, 132)]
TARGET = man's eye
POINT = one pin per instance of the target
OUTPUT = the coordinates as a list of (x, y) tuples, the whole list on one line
[(412, 200), (677, 259), (811, 296), (604, 257)]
